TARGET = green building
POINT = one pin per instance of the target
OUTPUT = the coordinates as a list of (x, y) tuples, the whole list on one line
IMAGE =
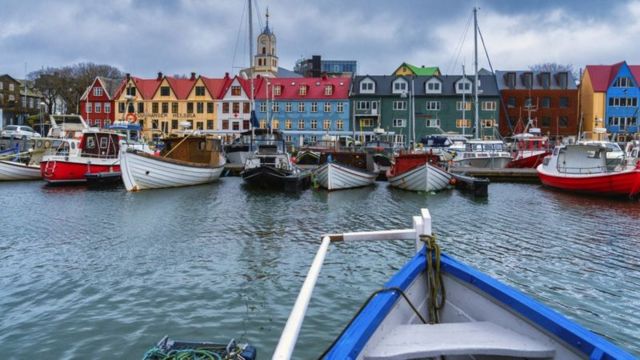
[(387, 102)]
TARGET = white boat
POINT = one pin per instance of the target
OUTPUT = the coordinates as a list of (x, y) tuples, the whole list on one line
[(483, 154), (334, 176), (438, 307), (13, 170), (415, 172), (196, 160)]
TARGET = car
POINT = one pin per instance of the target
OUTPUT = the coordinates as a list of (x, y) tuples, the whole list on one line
[(18, 132)]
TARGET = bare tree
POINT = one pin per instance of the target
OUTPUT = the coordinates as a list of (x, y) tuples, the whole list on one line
[(554, 67)]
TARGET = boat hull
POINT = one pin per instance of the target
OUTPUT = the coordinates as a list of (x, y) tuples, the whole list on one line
[(59, 171), (623, 183), (528, 162), (425, 177), (333, 176), (268, 177), (11, 170), (484, 162), (142, 172), (238, 157)]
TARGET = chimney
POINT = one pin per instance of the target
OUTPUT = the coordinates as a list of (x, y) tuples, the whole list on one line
[(193, 76), (128, 76), (226, 75), (159, 75)]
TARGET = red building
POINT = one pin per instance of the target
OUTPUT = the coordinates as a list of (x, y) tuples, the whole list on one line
[(97, 103), (549, 100)]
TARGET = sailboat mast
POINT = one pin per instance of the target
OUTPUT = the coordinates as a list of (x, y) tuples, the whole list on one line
[(251, 96), (475, 82), (464, 106)]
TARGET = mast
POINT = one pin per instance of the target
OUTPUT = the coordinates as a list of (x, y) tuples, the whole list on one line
[(464, 105), (413, 112), (252, 100), (475, 82)]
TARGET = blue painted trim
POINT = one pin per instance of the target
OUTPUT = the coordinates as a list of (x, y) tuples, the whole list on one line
[(356, 336)]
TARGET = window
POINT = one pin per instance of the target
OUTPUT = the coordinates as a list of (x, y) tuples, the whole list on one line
[(546, 121), (225, 124), (366, 122), (528, 102), (165, 108), (314, 124), (246, 107), (326, 124), (120, 106), (463, 123), (199, 107), (433, 87), (200, 126), (340, 107), (511, 102), (89, 107), (546, 102), (275, 123), (467, 105), (140, 108), (277, 90), (174, 124), (564, 102), (287, 124), (263, 124), (235, 107), (288, 138), (399, 86), (209, 107), (363, 105), (235, 90), (328, 90), (235, 126), (563, 121), (399, 105), (367, 87), (246, 124), (275, 107), (1, 85), (303, 90), (399, 122), (314, 107), (263, 107), (623, 82), (433, 123), (11, 87), (300, 124), (488, 106), (287, 106), (164, 91), (464, 86), (327, 107), (190, 107), (131, 91), (97, 91), (301, 107), (154, 107), (107, 108), (98, 107), (154, 124), (433, 105), (545, 80), (487, 123), (199, 90), (340, 124)]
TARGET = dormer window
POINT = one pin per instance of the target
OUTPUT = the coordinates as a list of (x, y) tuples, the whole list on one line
[(563, 80), (367, 86), (328, 90), (510, 79), (400, 86), (97, 91), (277, 90), (545, 80), (303, 90), (463, 86), (527, 80), (622, 82), (433, 86), (164, 91), (235, 90)]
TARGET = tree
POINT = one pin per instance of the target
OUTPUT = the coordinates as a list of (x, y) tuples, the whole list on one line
[(554, 67)]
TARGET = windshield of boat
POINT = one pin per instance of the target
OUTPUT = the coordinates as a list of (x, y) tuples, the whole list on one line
[(484, 147)]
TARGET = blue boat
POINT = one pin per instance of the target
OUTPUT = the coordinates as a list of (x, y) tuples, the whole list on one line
[(437, 307)]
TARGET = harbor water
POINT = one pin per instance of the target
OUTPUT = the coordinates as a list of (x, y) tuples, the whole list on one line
[(106, 274)]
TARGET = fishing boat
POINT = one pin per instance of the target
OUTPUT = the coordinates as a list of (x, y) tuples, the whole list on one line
[(583, 168), (11, 168), (483, 154), (270, 165), (614, 154), (418, 172), (438, 307), (343, 170), (239, 150), (98, 153), (183, 161), (530, 149)]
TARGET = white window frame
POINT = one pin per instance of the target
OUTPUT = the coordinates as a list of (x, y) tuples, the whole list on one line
[(463, 123), (400, 123), (339, 124), (301, 122), (287, 106), (400, 105), (88, 108), (436, 84), (489, 106), (367, 86), (314, 106), (326, 124), (314, 124), (461, 86), (97, 91), (301, 107), (400, 86), (432, 123), (365, 122), (459, 105), (327, 107), (433, 105), (97, 108), (263, 107), (488, 123), (107, 108), (340, 107), (363, 105)]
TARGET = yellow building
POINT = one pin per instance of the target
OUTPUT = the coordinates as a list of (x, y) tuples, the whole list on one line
[(412, 70), (163, 104), (592, 101)]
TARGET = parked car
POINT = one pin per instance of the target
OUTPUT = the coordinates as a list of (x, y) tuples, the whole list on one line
[(18, 132)]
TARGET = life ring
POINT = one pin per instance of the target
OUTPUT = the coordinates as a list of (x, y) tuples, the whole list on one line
[(132, 118), (47, 144)]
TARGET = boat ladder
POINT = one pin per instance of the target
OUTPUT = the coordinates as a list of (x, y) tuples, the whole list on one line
[(48, 170)]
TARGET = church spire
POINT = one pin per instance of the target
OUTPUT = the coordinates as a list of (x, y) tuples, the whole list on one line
[(266, 27)]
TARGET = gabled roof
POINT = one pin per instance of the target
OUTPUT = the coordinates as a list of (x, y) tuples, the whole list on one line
[(109, 85), (383, 84), (602, 75), (215, 86), (290, 88), (146, 87), (536, 77), (244, 83), (421, 70), (181, 87)]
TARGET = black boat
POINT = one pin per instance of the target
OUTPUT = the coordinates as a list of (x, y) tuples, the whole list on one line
[(270, 166)]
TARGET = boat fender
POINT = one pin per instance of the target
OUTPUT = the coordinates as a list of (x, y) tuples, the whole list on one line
[(453, 181), (132, 118)]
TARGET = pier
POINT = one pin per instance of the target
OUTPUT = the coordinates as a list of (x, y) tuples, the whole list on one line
[(500, 175)]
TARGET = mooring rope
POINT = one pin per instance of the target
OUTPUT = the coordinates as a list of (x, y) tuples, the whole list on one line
[(437, 293)]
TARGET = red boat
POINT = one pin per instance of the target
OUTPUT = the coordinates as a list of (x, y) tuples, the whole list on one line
[(583, 168), (98, 154), (530, 151)]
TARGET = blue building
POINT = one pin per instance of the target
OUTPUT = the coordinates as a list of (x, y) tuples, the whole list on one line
[(621, 103), (305, 109), (316, 67)]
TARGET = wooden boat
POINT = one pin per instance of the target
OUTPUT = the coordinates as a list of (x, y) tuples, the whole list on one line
[(15, 170), (436, 306), (343, 170), (583, 168), (270, 166), (529, 151), (418, 172), (183, 161)]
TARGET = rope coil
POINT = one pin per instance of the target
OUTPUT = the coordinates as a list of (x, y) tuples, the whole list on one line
[(435, 284)]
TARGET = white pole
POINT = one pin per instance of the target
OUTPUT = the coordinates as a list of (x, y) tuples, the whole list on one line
[(294, 323), (464, 105), (475, 85)]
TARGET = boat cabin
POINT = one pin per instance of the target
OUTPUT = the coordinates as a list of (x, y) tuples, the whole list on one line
[(579, 159), (484, 146), (193, 149), (100, 144), (531, 143)]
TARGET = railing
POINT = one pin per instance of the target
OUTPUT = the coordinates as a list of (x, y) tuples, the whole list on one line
[(289, 336), (582, 170)]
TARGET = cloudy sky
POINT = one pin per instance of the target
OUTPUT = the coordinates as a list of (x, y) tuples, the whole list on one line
[(210, 36)]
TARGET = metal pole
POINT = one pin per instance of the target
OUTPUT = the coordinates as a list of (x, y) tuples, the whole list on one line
[(475, 85), (464, 105)]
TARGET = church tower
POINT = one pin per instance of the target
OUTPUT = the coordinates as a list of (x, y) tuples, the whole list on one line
[(266, 61)]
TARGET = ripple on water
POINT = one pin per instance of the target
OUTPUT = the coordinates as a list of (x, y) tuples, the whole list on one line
[(108, 273)]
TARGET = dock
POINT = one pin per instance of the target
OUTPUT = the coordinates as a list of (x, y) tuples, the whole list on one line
[(500, 175)]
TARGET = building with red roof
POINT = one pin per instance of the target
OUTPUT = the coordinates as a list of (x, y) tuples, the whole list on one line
[(608, 97), (97, 102)]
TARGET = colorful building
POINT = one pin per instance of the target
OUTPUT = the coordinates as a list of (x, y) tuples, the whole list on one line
[(305, 109), (317, 67), (234, 112), (162, 105), (97, 102), (609, 99), (411, 70), (545, 100), (435, 102)]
